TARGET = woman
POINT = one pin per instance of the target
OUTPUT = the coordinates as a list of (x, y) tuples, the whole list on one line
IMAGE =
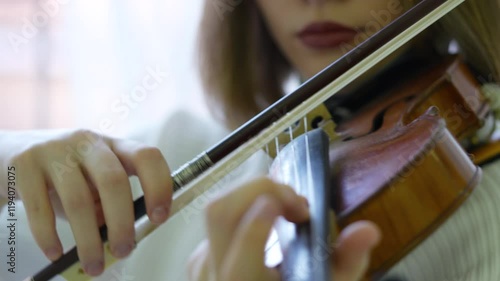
[(264, 32), (97, 174)]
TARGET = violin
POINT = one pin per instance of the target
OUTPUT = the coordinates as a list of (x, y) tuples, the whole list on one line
[(396, 162), (201, 173)]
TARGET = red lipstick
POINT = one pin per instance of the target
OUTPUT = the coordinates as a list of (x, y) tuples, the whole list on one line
[(328, 34)]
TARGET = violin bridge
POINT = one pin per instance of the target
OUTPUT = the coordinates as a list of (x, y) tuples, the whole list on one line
[(317, 118)]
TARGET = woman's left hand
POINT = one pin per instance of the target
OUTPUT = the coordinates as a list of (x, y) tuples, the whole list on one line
[(238, 226)]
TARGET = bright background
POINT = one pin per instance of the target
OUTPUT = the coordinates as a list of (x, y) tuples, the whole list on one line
[(83, 57)]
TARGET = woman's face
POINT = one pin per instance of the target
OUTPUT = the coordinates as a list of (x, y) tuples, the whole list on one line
[(314, 33)]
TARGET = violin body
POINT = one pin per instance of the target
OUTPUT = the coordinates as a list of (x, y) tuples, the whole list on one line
[(399, 164), (409, 174), (448, 85), (407, 184)]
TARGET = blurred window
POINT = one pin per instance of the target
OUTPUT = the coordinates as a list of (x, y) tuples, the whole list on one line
[(33, 77), (78, 63)]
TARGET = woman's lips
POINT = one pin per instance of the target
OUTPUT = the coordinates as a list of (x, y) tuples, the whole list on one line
[(323, 35)]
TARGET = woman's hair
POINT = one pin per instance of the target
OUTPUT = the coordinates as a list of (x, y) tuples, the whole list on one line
[(243, 71), (476, 27)]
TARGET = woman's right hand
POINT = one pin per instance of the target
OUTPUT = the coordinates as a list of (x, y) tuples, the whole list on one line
[(84, 176), (239, 222)]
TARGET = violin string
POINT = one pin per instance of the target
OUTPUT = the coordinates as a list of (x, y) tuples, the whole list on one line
[(306, 127), (295, 175), (277, 144), (309, 172), (270, 244)]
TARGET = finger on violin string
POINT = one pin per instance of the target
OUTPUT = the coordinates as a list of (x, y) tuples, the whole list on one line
[(41, 217), (78, 205), (149, 165), (107, 174), (239, 199), (246, 254), (352, 251), (224, 214)]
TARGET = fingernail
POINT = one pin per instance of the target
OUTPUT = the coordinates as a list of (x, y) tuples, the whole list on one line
[(53, 254), (159, 214), (94, 268), (122, 251)]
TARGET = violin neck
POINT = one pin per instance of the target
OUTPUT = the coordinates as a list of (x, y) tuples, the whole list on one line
[(304, 165)]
